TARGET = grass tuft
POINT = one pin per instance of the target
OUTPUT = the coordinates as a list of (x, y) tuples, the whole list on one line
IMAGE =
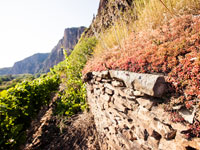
[(143, 15)]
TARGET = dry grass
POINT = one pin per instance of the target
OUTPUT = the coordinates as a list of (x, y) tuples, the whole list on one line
[(150, 13), (153, 13), (112, 38)]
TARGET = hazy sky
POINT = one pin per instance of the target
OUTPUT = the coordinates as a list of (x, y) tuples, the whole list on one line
[(31, 26)]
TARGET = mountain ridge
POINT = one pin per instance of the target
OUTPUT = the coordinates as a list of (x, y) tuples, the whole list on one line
[(29, 64), (69, 40), (42, 62)]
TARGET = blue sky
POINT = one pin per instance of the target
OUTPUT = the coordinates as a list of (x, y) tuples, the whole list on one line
[(31, 26)]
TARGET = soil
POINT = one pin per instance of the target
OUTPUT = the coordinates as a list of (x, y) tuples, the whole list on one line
[(50, 132)]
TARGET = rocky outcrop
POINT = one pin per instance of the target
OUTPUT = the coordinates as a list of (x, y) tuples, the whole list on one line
[(129, 114), (71, 37), (108, 12)]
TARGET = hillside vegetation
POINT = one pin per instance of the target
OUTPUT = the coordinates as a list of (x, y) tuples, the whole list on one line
[(8, 81), (20, 104), (73, 98), (171, 50), (157, 36), (163, 39)]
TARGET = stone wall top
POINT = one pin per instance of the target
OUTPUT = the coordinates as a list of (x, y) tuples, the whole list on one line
[(153, 85)]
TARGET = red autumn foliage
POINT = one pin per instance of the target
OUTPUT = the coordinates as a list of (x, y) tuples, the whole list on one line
[(195, 129), (175, 117), (173, 50)]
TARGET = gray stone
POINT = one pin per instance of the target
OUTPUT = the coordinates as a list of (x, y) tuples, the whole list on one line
[(106, 80), (117, 83), (120, 115), (106, 97), (98, 79), (149, 84), (138, 93), (129, 92), (92, 81), (177, 107), (170, 135), (187, 115), (102, 74), (89, 87), (131, 98), (109, 86), (109, 91), (120, 91), (97, 92), (145, 103)]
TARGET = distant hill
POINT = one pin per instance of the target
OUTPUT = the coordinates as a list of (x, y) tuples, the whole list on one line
[(43, 62), (30, 65), (4, 71)]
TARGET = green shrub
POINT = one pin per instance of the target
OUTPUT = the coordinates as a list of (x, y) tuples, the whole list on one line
[(19, 104), (73, 99)]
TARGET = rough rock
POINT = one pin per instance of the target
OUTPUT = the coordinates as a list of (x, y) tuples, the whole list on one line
[(70, 39), (149, 84), (107, 13), (187, 115), (118, 83), (138, 93), (134, 123)]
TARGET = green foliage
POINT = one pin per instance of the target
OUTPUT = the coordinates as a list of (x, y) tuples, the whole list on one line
[(73, 98), (8, 81), (19, 104), (7, 78)]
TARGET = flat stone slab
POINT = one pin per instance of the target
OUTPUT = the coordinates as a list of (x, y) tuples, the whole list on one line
[(153, 85)]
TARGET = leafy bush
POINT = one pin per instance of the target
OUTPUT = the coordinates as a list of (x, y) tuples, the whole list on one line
[(18, 105), (73, 98)]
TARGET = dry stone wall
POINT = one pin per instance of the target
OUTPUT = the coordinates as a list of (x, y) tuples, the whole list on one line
[(128, 112)]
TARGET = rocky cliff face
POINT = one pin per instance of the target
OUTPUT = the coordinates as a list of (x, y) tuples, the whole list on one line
[(108, 12), (71, 37)]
